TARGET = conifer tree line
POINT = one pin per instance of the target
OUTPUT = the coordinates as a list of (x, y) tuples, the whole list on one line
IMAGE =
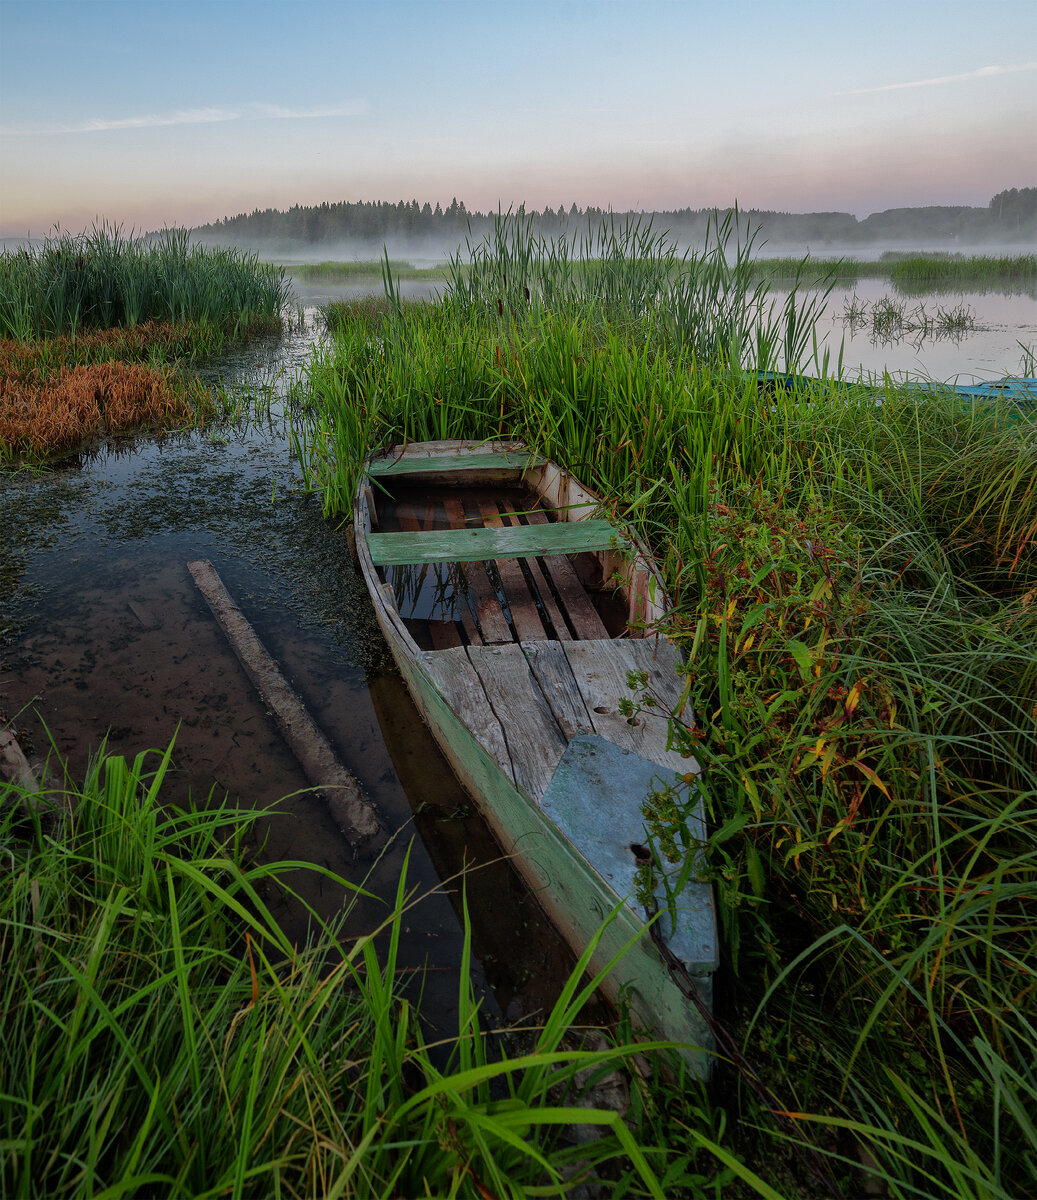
[(1011, 213)]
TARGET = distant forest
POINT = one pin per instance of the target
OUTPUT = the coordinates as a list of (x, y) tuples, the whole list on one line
[(1011, 216)]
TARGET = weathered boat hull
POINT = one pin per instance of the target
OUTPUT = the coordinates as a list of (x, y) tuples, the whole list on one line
[(559, 778)]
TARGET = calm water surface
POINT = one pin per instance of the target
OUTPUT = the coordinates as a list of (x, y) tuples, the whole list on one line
[(1005, 325), (103, 635)]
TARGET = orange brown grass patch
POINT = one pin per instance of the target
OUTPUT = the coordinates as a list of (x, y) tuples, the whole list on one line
[(33, 360), (73, 405)]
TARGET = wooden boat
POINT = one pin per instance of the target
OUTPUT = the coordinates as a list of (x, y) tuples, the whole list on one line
[(516, 612)]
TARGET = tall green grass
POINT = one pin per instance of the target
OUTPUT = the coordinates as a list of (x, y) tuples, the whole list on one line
[(854, 584), (102, 279), (163, 1037)]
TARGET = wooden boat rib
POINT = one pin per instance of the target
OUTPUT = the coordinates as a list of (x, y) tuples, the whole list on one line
[(515, 613)]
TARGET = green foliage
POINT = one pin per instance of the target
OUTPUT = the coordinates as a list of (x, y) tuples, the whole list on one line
[(102, 279), (162, 1036)]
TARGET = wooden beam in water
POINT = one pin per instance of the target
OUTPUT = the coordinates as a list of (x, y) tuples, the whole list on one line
[(353, 812)]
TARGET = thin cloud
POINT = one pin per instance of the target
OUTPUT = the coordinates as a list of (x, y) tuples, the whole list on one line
[(936, 81), (195, 116), (276, 113)]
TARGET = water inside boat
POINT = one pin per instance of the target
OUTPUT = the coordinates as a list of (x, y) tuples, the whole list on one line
[(555, 597)]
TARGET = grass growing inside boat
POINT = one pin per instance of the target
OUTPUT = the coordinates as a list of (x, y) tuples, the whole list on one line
[(854, 586), (163, 1037)]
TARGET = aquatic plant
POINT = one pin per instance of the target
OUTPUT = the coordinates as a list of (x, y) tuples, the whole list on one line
[(349, 272), (70, 283), (58, 395), (932, 273), (911, 273)]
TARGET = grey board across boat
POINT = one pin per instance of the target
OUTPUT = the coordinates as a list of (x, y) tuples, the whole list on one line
[(515, 611)]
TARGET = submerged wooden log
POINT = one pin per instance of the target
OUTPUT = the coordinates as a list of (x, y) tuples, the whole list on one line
[(33, 796), (353, 812), (14, 766)]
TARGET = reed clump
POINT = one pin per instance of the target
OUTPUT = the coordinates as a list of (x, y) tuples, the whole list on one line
[(854, 579), (911, 273), (83, 403), (102, 279), (91, 328), (350, 272)]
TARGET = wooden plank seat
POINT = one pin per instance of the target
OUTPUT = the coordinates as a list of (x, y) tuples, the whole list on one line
[(456, 468), (478, 544)]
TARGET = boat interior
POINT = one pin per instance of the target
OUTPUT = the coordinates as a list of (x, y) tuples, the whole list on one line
[(545, 597)]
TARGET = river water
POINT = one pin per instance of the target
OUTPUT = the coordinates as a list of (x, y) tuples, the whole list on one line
[(103, 634), (1004, 328)]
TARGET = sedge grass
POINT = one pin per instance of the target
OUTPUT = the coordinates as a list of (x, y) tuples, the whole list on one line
[(350, 272), (60, 395), (102, 279), (162, 1036), (913, 274), (853, 585)]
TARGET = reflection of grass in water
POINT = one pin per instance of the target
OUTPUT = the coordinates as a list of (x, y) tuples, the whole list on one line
[(163, 1036)]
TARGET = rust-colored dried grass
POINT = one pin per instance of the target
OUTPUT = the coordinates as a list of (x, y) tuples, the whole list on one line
[(75, 405), (35, 360)]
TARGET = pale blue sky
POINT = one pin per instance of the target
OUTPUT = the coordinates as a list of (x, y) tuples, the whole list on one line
[(177, 112)]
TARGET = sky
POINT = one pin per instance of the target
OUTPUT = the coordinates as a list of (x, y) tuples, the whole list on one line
[(148, 114)]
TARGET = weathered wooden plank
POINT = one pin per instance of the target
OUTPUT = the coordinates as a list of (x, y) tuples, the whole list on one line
[(524, 613), (479, 543), (454, 677), (472, 466), (454, 447), (535, 743), (543, 589), (572, 595), (552, 672), (493, 626), (353, 812), (600, 670), (569, 889), (595, 800), (560, 491)]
